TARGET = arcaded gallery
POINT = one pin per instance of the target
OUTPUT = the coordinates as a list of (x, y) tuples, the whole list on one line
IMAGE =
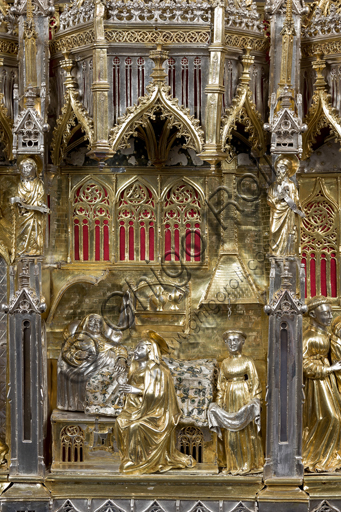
[(170, 256)]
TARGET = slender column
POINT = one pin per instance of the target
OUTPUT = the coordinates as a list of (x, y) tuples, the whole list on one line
[(27, 372), (283, 471), (100, 86), (213, 152)]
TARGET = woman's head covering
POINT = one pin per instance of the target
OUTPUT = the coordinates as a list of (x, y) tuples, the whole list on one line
[(232, 331), (83, 326), (336, 325), (317, 301), (157, 345), (159, 340)]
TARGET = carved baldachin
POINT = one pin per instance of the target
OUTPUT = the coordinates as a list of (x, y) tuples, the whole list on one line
[(321, 113), (71, 110), (157, 102), (243, 110)]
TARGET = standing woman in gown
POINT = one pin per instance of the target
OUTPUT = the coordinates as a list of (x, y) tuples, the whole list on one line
[(237, 409), (322, 405)]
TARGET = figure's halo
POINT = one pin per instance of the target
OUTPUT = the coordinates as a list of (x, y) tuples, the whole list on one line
[(293, 159)]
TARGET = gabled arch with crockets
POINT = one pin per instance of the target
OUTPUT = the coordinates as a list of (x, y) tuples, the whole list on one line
[(177, 120)]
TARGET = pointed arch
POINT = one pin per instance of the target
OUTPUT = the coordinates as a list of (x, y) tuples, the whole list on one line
[(240, 507), (325, 506), (320, 242), (68, 506), (321, 113), (83, 279), (136, 218), (244, 111), (91, 218), (72, 110), (158, 101), (199, 506), (154, 507), (184, 221), (186, 180), (132, 180), (97, 179), (109, 506)]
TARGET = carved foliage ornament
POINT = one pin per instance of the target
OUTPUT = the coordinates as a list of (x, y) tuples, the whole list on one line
[(285, 303), (319, 227), (325, 20), (325, 506), (243, 15), (157, 11), (24, 301)]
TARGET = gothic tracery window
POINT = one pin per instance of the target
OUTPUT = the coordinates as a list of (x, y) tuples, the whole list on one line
[(182, 220), (191, 441), (319, 243), (136, 223), (72, 443), (91, 222)]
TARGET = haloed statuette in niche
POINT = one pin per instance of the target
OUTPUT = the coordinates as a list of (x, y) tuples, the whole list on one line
[(285, 212), (31, 201)]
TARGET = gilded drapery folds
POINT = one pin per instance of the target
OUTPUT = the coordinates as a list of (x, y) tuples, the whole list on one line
[(145, 428), (285, 211), (237, 409), (154, 156), (31, 200), (322, 407)]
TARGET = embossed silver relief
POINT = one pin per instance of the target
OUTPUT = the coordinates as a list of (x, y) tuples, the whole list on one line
[(91, 366)]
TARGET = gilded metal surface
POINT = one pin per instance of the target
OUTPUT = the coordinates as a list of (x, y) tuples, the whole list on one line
[(241, 398), (322, 408), (321, 113), (30, 37), (8, 47), (287, 33), (285, 210), (169, 36), (244, 111), (72, 110), (145, 428), (29, 223), (158, 102), (89, 366), (178, 225), (67, 43)]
